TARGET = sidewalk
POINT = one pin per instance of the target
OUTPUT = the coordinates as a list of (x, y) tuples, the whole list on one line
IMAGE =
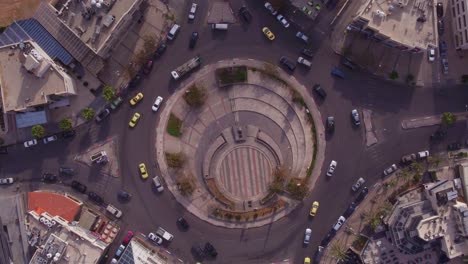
[(197, 204), (430, 121)]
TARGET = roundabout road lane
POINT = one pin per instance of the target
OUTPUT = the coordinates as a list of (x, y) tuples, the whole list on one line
[(389, 103)]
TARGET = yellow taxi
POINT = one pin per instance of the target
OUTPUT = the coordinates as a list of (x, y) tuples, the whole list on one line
[(136, 99), (134, 121), (268, 33), (314, 209), (307, 260), (143, 171)]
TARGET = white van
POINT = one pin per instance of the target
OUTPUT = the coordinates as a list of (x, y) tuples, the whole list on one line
[(113, 211), (220, 26), (173, 32), (304, 62)]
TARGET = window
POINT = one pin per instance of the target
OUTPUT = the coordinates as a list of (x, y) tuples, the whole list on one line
[(459, 22), (464, 20), (456, 41), (463, 7), (466, 36), (453, 11), (458, 8)]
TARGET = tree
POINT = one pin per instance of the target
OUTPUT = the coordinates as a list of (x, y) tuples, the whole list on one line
[(338, 252), (108, 93), (175, 160), (405, 174), (195, 96), (394, 75), (87, 113), (448, 118), (149, 44), (65, 124), (38, 131), (372, 219)]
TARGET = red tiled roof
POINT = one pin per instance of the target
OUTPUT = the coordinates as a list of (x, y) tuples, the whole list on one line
[(54, 204)]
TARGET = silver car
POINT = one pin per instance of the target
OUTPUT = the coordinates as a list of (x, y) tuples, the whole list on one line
[(355, 116), (390, 170), (358, 184)]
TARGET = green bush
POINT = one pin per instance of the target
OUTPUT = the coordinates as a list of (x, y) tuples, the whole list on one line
[(195, 96), (185, 186), (175, 160), (65, 124), (38, 131), (87, 113), (448, 118), (174, 125), (108, 93), (232, 75), (228, 216), (394, 75), (238, 217)]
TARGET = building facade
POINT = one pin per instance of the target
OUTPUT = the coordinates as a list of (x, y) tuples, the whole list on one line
[(459, 12)]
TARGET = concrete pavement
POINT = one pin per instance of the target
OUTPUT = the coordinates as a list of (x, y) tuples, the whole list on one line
[(430, 120)]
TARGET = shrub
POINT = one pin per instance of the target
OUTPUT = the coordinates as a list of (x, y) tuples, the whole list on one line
[(228, 216), (297, 98), (174, 125), (255, 216), (65, 124), (38, 131), (394, 75), (108, 93), (185, 186), (175, 160), (297, 188), (87, 113), (232, 75), (195, 96), (448, 118)]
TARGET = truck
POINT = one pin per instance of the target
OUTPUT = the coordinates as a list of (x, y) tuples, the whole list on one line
[(186, 68), (164, 234), (99, 157)]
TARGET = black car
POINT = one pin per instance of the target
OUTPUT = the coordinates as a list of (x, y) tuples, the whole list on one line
[(135, 81), (442, 47), (49, 177), (160, 50), (318, 254), (123, 195), (438, 135), (102, 115), (349, 64), (326, 240), (68, 133), (245, 14), (183, 223), (440, 27), (193, 40), (78, 186), (330, 124), (95, 197), (454, 146), (307, 53), (291, 66), (440, 10), (320, 91), (198, 252), (350, 210), (361, 195), (210, 250), (66, 171)]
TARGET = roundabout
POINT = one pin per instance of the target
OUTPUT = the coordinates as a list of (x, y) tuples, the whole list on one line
[(245, 149)]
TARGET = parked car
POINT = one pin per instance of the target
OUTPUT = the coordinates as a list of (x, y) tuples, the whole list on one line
[(440, 27), (158, 184), (210, 250), (127, 238), (148, 67), (407, 159), (318, 254), (431, 54), (314, 209), (307, 52), (30, 143), (183, 223), (157, 104), (102, 115), (95, 197), (119, 252), (349, 64), (66, 171), (320, 91), (6, 181), (326, 240), (270, 8), (438, 135), (116, 103), (156, 239), (50, 139), (244, 13), (68, 133), (135, 81), (282, 20), (337, 73), (330, 124), (350, 210), (444, 62), (358, 184), (78, 186), (355, 117), (361, 195), (160, 50), (123, 195), (339, 223), (423, 154), (198, 252), (193, 10), (331, 168), (390, 170), (454, 146), (304, 62), (307, 235), (442, 47), (439, 10), (267, 32), (288, 64), (193, 40), (49, 177), (302, 36)]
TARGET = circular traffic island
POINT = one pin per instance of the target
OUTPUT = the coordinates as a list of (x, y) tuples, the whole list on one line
[(236, 144)]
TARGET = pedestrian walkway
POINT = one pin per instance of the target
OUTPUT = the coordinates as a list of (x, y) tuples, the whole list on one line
[(430, 120)]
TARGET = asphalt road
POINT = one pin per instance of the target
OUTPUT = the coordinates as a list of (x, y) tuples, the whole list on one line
[(389, 103)]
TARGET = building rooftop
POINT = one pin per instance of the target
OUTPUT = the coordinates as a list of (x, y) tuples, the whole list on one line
[(411, 23), (55, 204), (141, 252), (28, 77)]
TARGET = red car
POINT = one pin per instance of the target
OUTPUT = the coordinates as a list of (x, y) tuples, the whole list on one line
[(148, 67), (127, 238)]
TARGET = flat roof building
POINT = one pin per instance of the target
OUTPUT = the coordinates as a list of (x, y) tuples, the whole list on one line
[(408, 25), (459, 12)]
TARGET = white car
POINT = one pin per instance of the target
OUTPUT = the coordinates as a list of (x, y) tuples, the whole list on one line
[(270, 8), (283, 20), (156, 239), (431, 54), (302, 36), (50, 139), (157, 103), (339, 223), (355, 116), (358, 184), (307, 235), (331, 168), (5, 181), (423, 154), (192, 12), (30, 143), (390, 170)]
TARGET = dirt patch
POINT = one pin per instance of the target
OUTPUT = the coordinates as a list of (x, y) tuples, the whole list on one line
[(11, 10)]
